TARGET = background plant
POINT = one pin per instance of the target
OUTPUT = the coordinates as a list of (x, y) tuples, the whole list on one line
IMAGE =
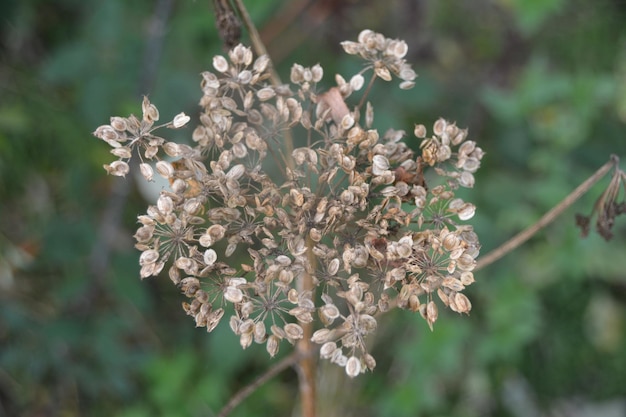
[(541, 87)]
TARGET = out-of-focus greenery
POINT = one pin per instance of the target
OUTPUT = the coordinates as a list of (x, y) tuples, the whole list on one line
[(542, 87)]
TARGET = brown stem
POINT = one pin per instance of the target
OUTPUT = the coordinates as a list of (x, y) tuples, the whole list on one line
[(547, 218), (307, 363), (366, 92), (246, 391)]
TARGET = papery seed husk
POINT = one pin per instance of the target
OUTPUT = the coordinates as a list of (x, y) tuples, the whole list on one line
[(220, 63), (315, 234), (200, 319), (353, 367), (272, 345), (203, 297), (466, 180), (119, 123), (317, 72), (193, 207), (453, 283), (328, 349), (414, 303), (144, 234), (367, 323), (122, 152), (245, 340), (205, 240), (463, 303), (278, 331), (266, 93), (214, 319), (210, 257), (321, 336), (165, 169), (443, 297), (174, 274), (247, 326), (189, 282), (331, 310), (369, 361), (180, 120), (339, 358), (234, 295), (467, 278), (293, 331), (165, 204), (117, 168), (432, 313), (148, 257)]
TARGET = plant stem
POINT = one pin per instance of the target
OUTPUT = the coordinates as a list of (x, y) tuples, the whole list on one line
[(547, 218), (366, 92), (307, 363), (246, 391)]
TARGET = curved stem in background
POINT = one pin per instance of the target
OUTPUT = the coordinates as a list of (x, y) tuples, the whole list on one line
[(246, 391), (547, 218)]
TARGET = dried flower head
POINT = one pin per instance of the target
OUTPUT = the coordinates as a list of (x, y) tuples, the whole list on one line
[(607, 207), (348, 210)]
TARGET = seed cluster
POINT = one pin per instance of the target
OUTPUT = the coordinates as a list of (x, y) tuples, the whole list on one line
[(286, 184)]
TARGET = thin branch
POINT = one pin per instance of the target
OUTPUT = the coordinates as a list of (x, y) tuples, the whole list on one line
[(367, 91), (547, 218), (246, 391)]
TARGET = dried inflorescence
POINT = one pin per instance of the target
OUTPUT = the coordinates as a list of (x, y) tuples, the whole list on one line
[(607, 207), (348, 210)]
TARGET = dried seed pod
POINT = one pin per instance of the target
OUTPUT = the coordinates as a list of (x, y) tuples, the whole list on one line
[(117, 168), (260, 335), (233, 295), (369, 361), (245, 340), (328, 313), (353, 367), (214, 319), (180, 120), (272, 345), (463, 304), (322, 336), (220, 63), (328, 349), (123, 152), (431, 313), (165, 169), (293, 332)]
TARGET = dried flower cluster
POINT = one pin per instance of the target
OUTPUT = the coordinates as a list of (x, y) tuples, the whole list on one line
[(249, 219), (607, 207)]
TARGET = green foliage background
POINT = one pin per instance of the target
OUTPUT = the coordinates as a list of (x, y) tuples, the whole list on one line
[(542, 87)]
